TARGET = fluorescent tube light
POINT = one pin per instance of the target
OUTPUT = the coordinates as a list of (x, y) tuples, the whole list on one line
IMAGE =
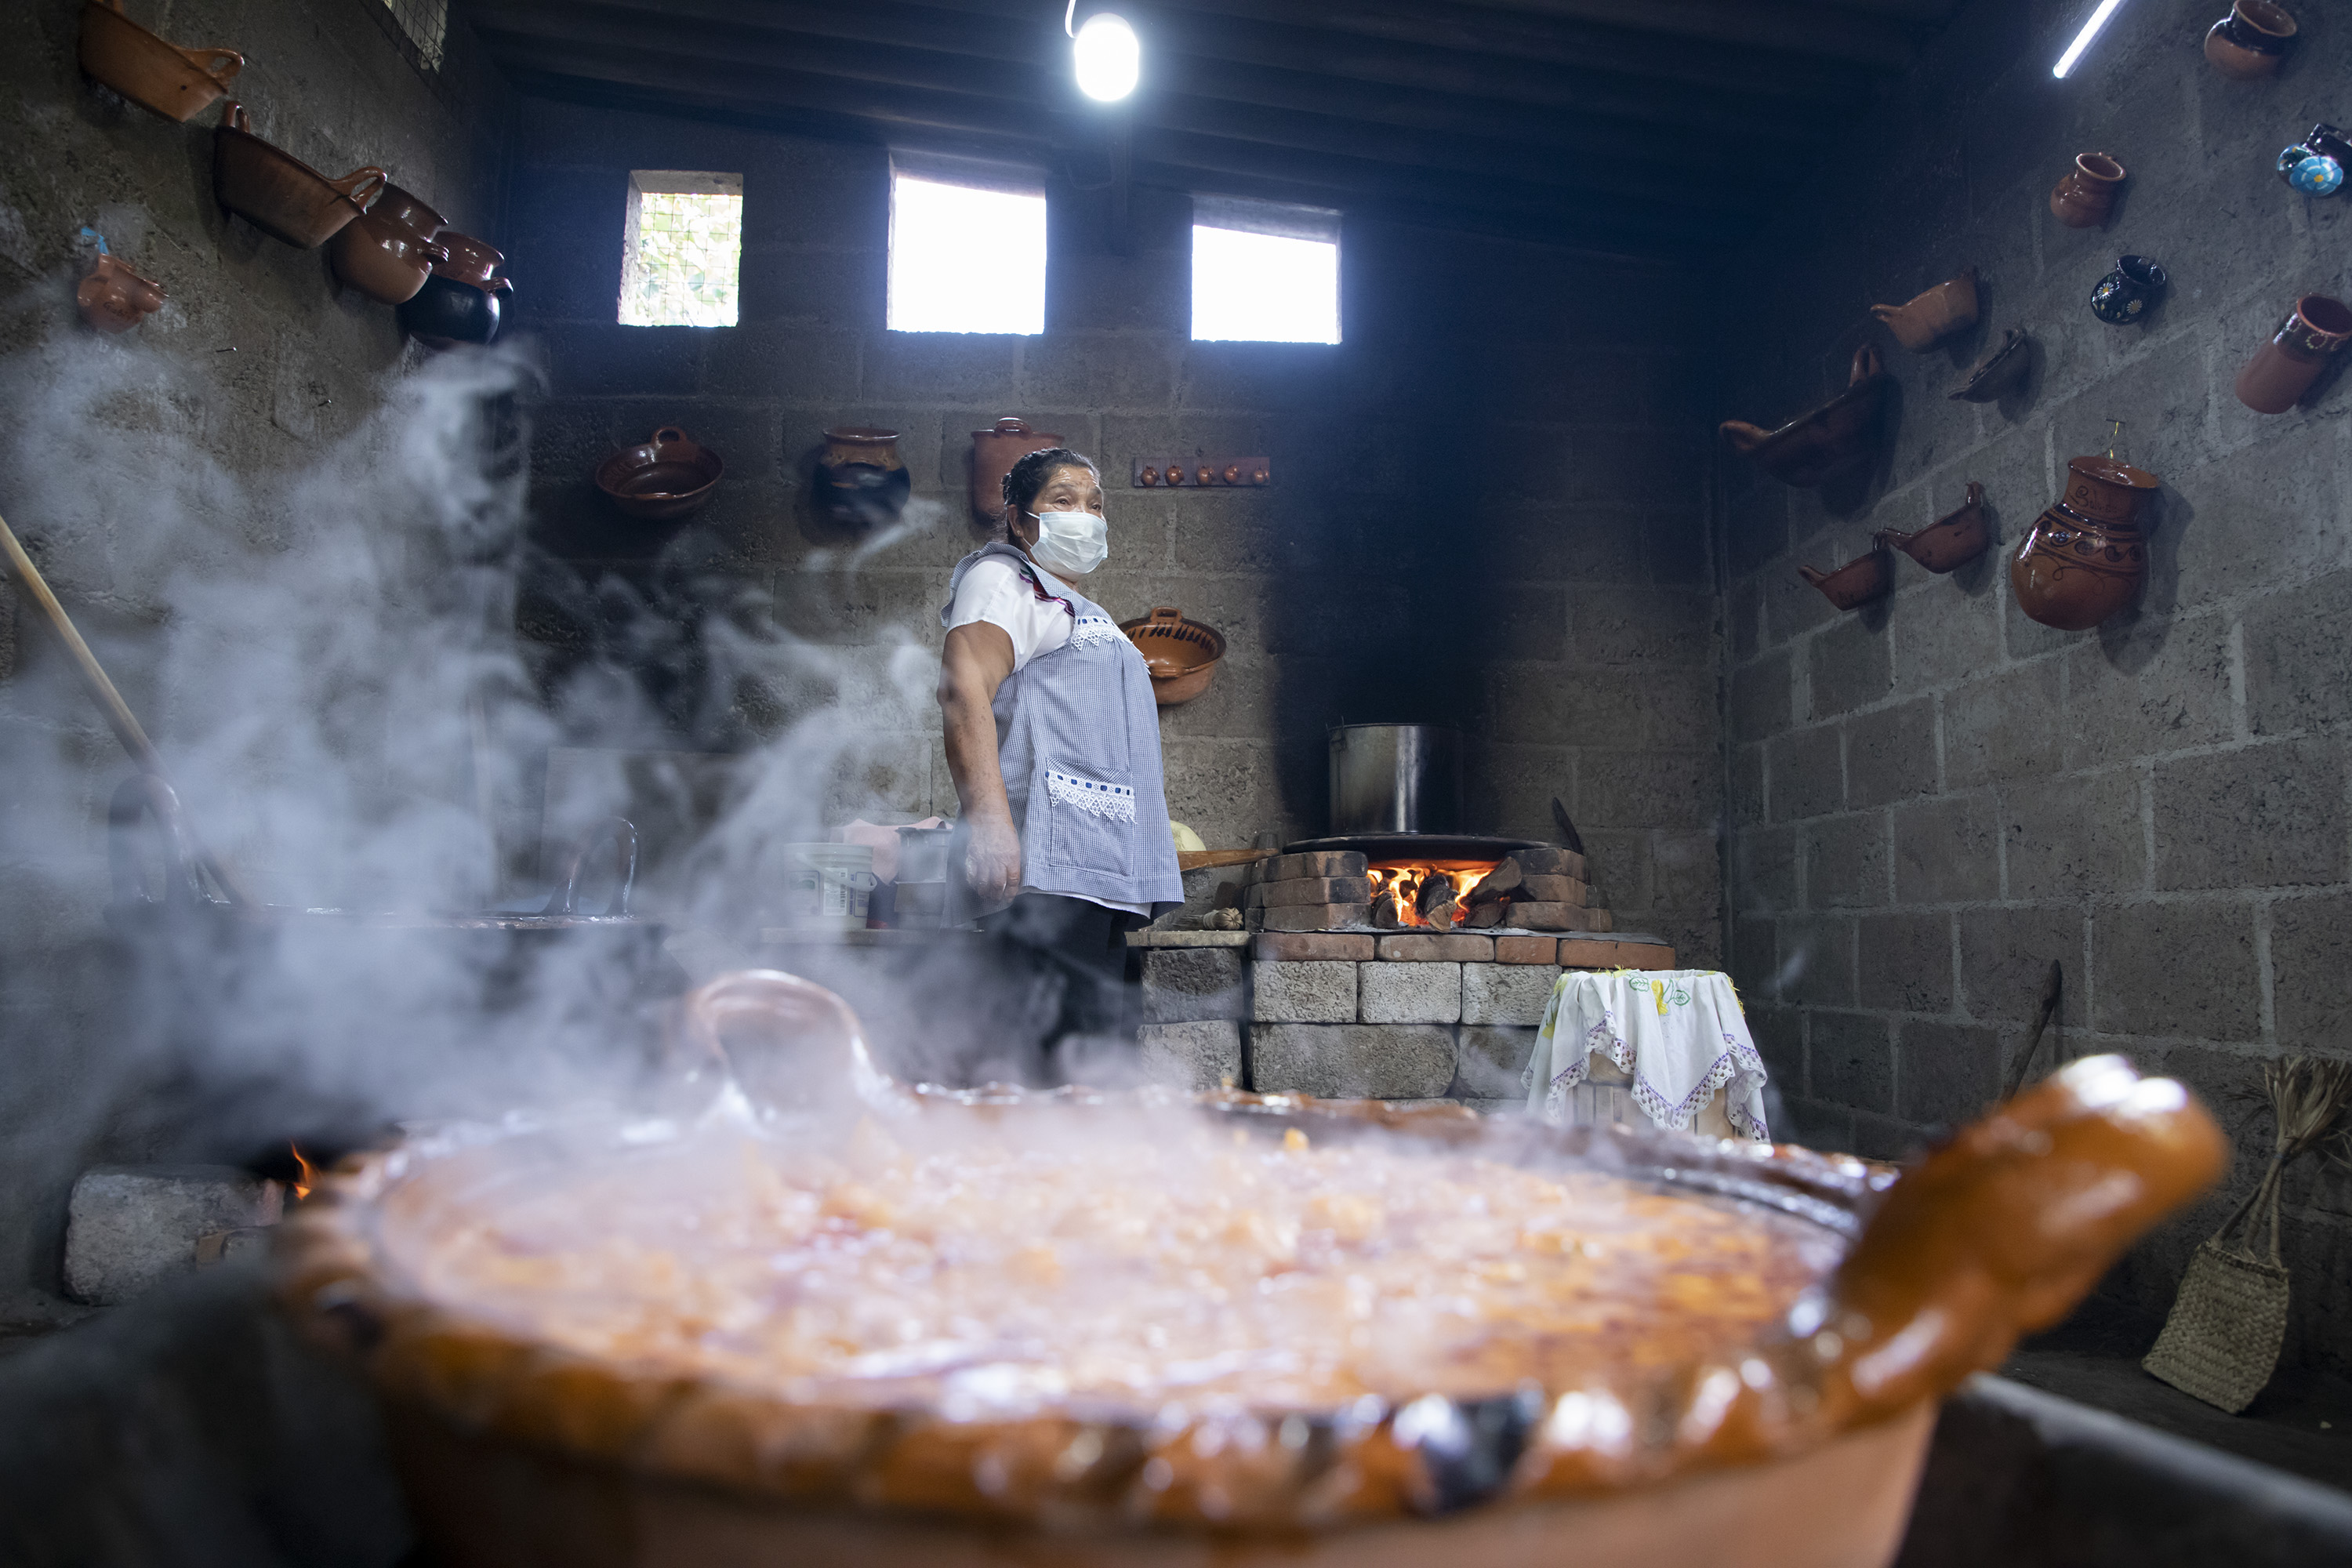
[(2082, 39)]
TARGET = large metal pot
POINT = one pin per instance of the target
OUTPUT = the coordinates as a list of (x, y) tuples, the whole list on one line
[(1800, 1447), (1395, 778)]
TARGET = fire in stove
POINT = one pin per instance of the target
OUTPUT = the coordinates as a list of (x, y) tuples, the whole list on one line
[(1435, 895)]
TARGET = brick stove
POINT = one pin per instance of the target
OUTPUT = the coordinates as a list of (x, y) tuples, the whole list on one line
[(1336, 991)]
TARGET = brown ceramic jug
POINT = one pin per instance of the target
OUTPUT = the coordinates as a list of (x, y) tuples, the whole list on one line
[(2251, 40), (2278, 375), (2087, 195), (993, 453), (1953, 539), (1936, 314), (1856, 584), (2087, 555)]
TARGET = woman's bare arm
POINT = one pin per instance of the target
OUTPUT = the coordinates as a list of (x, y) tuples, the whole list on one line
[(977, 660)]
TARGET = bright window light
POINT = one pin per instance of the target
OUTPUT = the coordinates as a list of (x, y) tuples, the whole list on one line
[(2082, 39), (1263, 272), (681, 248), (1108, 59), (965, 258)]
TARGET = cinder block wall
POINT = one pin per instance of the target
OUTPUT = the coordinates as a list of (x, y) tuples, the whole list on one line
[(1487, 507), (256, 363), (1933, 797)]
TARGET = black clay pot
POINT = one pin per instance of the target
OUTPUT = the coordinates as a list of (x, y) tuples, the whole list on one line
[(447, 312)]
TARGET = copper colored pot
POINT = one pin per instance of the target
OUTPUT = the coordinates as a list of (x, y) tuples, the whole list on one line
[(277, 193), (1934, 315), (1797, 1443), (114, 298), (2087, 195), (1837, 435), (471, 261), (1856, 584), (993, 453), (2251, 40), (176, 83), (382, 260), (406, 211), (1953, 539), (1181, 654), (670, 477), (2086, 556), (2283, 370)]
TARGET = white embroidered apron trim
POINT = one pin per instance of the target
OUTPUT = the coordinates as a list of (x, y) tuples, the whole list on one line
[(1115, 802)]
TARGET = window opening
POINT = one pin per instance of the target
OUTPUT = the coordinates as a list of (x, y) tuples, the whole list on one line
[(425, 24), (966, 256), (1265, 271), (682, 250)]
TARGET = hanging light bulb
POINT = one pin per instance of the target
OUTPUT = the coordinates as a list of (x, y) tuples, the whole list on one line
[(1108, 56)]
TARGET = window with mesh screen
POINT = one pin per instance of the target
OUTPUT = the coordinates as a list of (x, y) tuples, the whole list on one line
[(425, 24), (1265, 271), (967, 250), (682, 250)]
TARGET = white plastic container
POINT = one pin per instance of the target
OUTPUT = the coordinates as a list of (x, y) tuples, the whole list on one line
[(828, 885)]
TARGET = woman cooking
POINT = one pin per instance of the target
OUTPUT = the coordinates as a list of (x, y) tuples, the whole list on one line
[(1054, 739)]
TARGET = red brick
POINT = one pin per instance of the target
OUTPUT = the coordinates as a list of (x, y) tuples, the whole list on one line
[(1549, 862), (1552, 891), (1287, 946), (1417, 948), (1588, 953), (1526, 950), (1311, 890), (1555, 917), (1317, 863)]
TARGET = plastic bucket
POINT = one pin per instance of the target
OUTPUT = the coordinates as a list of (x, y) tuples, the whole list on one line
[(827, 886)]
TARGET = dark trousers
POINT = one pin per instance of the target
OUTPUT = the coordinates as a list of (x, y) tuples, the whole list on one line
[(1067, 961)]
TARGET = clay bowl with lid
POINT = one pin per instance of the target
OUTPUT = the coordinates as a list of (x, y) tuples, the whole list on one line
[(1181, 654), (277, 193), (591, 1347), (666, 478)]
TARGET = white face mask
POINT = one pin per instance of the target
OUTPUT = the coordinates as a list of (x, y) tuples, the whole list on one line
[(1072, 541)]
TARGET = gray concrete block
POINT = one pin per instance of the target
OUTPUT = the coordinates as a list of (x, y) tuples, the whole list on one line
[(2310, 954), (2005, 955), (1765, 870), (2268, 816), (2069, 837), (129, 1228), (1648, 789), (1805, 774), (1779, 1036), (1355, 1061), (1310, 991), (1184, 984), (2299, 662), (1201, 1054), (2159, 685), (1412, 992), (1761, 698), (1940, 635), (1891, 754), (1647, 627), (1853, 1061), (1904, 963), (1848, 667), (1948, 1073), (1946, 850), (1506, 993), (1846, 861), (1491, 1061), (1816, 960), (1755, 962), (2177, 969), (2005, 726)]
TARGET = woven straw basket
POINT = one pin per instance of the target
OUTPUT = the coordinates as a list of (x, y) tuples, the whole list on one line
[(2222, 1337)]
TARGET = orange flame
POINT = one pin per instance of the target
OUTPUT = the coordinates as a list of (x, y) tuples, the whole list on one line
[(1406, 882), (309, 1174)]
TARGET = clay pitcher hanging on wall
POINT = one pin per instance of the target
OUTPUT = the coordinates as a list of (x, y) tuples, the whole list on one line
[(1935, 315), (1840, 433), (1953, 539), (993, 453), (2087, 554)]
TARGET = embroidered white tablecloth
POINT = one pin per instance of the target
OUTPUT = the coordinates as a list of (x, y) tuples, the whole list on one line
[(1679, 1032)]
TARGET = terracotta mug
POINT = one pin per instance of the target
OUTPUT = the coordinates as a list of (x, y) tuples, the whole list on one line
[(2251, 40), (2087, 195), (114, 298), (2283, 370)]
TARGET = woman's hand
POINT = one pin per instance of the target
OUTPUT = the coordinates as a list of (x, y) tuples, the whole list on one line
[(991, 860)]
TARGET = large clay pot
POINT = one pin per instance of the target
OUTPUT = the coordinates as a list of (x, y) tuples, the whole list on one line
[(114, 298), (669, 476), (277, 193), (2087, 195), (993, 453), (383, 260), (1953, 539), (2275, 379), (407, 211), (176, 83), (444, 313), (2251, 40), (860, 477), (471, 261), (1840, 433), (2087, 555), (1939, 313)]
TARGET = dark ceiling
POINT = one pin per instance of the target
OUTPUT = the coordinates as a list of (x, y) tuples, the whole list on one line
[(1633, 126)]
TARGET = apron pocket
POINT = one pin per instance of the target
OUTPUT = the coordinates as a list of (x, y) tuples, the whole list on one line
[(1092, 822)]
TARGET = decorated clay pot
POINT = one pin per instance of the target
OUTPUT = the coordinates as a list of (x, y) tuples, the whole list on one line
[(2087, 195), (993, 453), (1856, 584), (1942, 311), (2278, 375), (114, 298), (1953, 539), (2251, 40), (2086, 556), (860, 479), (2129, 292), (2316, 165)]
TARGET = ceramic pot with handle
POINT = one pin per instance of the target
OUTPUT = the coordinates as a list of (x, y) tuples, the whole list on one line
[(444, 312), (1953, 539), (1834, 436), (1946, 308), (2251, 40), (2086, 556), (1856, 584), (471, 261), (861, 481), (164, 78), (406, 211), (383, 260), (2087, 195), (2283, 370), (114, 298), (667, 477), (994, 452), (2126, 294), (277, 193)]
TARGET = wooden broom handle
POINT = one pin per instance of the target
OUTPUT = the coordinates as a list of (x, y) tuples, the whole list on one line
[(125, 723)]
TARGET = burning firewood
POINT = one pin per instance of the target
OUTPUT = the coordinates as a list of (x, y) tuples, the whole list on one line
[(1435, 902), (1384, 912), (1502, 879)]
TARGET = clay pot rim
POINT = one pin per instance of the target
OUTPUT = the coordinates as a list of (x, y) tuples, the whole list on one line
[(2342, 313), (2261, 16), (2082, 162), (861, 435), (2114, 471)]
